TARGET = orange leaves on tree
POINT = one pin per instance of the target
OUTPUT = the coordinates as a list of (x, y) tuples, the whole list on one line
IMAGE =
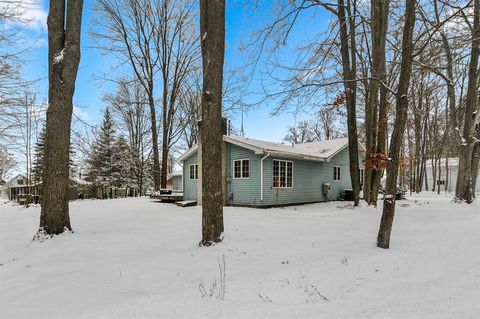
[(376, 161)]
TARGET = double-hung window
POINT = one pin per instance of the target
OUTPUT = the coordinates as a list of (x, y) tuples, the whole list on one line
[(362, 176), (282, 174), (241, 168), (336, 173), (193, 171)]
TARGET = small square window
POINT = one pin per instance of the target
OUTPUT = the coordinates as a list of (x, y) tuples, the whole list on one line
[(241, 168)]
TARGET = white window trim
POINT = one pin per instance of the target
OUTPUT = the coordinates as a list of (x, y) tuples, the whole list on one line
[(339, 173), (189, 170), (286, 161), (362, 175), (241, 168)]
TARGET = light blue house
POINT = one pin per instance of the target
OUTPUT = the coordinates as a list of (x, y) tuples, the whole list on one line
[(259, 173)]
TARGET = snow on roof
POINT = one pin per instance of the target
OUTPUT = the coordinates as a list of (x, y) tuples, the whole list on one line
[(452, 161), (14, 181), (316, 151), (176, 173)]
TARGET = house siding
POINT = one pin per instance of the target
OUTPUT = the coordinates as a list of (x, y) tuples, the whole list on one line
[(177, 182), (189, 186), (308, 178), (243, 191)]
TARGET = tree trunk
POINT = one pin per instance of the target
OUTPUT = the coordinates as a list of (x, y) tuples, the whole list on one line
[(379, 35), (383, 238), (164, 169), (464, 190), (212, 31), (349, 76), (475, 163), (64, 29), (156, 156)]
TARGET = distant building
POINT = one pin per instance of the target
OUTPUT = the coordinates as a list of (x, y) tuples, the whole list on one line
[(446, 176), (17, 186), (175, 181)]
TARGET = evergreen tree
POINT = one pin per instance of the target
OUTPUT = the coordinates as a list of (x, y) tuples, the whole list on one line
[(123, 164), (37, 169), (38, 159), (100, 161)]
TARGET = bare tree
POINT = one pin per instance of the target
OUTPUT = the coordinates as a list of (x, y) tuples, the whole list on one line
[(376, 106), (212, 31), (464, 189), (7, 163), (383, 239), (301, 133), (64, 29), (158, 40), (128, 106)]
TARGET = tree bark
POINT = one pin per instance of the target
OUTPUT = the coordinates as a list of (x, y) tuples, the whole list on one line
[(464, 190), (156, 156), (212, 31), (64, 28), (376, 126), (383, 238), (349, 76)]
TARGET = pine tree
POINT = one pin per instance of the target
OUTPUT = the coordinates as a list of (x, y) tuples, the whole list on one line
[(123, 166), (38, 160), (100, 161)]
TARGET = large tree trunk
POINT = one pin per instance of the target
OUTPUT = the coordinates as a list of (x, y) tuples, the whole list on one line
[(383, 238), (156, 156), (64, 28), (464, 190), (349, 76), (475, 163), (212, 31), (376, 127)]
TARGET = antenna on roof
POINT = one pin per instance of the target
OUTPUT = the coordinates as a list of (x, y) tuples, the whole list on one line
[(242, 132)]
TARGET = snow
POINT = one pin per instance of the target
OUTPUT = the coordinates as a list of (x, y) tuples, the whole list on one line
[(137, 258), (59, 57)]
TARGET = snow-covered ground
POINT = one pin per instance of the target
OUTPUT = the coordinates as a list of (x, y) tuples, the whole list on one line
[(135, 258)]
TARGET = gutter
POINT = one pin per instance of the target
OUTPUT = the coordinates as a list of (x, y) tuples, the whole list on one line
[(261, 176)]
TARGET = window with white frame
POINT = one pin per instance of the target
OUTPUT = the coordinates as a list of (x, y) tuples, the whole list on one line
[(362, 176), (336, 173), (241, 168), (282, 174), (193, 171)]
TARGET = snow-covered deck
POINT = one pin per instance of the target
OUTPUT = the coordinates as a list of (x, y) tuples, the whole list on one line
[(136, 258)]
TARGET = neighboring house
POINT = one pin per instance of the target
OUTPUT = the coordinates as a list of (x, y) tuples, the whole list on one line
[(175, 181), (447, 176), (258, 173), (15, 187)]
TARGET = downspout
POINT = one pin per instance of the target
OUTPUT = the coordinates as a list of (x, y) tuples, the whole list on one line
[(261, 176)]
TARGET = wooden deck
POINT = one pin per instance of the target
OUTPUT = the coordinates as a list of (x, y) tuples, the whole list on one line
[(186, 203), (168, 198)]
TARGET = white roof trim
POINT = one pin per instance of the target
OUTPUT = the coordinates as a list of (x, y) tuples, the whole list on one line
[(188, 153), (256, 149)]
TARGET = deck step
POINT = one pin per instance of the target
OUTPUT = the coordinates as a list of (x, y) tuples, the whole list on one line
[(186, 203)]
